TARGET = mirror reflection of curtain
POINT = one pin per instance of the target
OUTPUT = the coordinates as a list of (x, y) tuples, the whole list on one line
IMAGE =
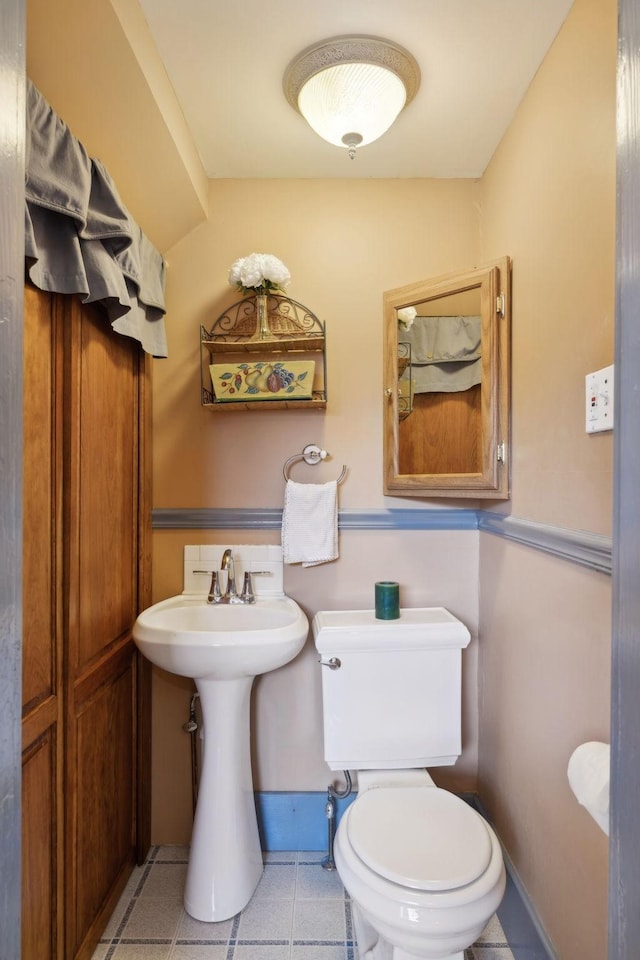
[(445, 353)]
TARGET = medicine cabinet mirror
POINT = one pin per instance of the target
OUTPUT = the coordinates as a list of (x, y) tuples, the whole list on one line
[(447, 382)]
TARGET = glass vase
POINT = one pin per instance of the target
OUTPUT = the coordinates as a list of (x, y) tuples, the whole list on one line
[(262, 331)]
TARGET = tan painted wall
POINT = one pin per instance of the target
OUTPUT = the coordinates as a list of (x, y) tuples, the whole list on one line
[(549, 196), (548, 199), (344, 243)]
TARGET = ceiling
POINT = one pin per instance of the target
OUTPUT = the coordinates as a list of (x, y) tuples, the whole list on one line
[(226, 60)]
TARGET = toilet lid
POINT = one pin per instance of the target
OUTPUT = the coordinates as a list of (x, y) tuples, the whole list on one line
[(421, 837)]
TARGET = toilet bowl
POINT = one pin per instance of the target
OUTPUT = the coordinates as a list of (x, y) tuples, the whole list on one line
[(423, 869)]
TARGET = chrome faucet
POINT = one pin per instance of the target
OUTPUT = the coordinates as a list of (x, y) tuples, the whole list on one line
[(231, 594)]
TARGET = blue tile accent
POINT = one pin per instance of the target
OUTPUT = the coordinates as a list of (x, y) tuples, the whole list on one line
[(263, 943), (139, 942), (295, 821), (348, 919), (198, 943), (303, 943)]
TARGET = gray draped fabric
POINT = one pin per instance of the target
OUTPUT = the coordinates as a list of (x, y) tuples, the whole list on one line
[(445, 353), (80, 237)]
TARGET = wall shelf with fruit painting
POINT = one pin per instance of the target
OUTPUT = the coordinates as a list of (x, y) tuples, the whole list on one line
[(265, 352)]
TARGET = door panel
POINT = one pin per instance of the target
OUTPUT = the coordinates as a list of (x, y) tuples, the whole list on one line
[(39, 854), (104, 775), (41, 467), (42, 638), (104, 426), (101, 515)]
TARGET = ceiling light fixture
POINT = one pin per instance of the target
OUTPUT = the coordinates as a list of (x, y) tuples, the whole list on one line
[(351, 89)]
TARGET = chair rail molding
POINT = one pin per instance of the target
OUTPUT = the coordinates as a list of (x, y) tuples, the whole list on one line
[(589, 549), (578, 546)]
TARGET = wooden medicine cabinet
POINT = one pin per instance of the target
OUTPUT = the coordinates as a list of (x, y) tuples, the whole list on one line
[(447, 384)]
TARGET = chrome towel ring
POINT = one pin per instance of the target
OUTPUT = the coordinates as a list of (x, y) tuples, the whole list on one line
[(312, 454)]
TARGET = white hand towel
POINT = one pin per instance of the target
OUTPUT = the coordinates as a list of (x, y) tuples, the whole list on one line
[(310, 523)]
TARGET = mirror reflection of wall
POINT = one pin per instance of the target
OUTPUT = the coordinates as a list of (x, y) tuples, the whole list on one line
[(443, 381)]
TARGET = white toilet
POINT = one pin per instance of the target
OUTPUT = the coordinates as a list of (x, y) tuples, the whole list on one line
[(423, 869)]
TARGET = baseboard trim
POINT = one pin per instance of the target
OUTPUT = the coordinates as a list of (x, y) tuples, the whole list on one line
[(517, 914), (526, 935)]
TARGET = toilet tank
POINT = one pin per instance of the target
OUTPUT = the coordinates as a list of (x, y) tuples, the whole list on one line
[(394, 701)]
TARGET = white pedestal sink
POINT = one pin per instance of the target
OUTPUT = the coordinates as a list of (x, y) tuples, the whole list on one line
[(223, 647)]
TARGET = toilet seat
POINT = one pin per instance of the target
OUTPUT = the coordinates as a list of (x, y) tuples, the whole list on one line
[(423, 838)]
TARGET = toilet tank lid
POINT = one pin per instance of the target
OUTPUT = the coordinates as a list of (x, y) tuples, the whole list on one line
[(416, 628)]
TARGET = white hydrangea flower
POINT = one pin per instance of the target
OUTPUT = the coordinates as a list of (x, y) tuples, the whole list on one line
[(406, 316), (275, 270), (234, 273), (259, 271)]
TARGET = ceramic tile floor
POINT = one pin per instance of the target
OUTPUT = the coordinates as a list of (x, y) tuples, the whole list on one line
[(298, 912)]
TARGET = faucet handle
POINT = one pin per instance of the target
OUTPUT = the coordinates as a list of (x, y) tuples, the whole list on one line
[(214, 589), (247, 595)]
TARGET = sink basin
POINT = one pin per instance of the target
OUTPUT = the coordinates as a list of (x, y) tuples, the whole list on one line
[(223, 647), (192, 638)]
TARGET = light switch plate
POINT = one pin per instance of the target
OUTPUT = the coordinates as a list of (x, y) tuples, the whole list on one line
[(599, 400)]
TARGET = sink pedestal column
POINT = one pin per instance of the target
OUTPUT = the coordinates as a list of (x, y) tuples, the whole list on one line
[(225, 862)]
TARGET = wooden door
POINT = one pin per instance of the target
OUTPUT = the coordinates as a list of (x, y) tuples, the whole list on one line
[(86, 538)]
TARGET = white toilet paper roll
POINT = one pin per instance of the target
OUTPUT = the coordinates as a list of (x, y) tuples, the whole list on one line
[(588, 774)]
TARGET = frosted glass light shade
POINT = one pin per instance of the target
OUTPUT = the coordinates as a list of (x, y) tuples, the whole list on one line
[(351, 89), (352, 98)]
